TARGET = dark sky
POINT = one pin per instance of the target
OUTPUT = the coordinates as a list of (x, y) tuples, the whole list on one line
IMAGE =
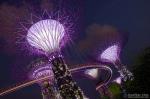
[(132, 16), (129, 16)]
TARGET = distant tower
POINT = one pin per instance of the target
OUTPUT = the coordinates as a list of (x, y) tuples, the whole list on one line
[(40, 69)]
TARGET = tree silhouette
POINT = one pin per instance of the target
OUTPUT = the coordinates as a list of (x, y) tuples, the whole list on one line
[(141, 71)]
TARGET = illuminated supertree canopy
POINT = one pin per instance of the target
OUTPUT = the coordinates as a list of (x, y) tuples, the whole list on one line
[(40, 69), (111, 54), (46, 35), (92, 72), (118, 80)]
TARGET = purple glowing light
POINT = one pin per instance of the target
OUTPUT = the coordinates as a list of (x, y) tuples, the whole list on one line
[(46, 35), (42, 71), (92, 72), (111, 54), (118, 80)]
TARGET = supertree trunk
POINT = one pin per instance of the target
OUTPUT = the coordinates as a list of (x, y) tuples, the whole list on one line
[(67, 87), (49, 91)]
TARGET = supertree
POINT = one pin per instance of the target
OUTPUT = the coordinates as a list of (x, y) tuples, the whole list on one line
[(40, 69), (112, 55), (46, 36)]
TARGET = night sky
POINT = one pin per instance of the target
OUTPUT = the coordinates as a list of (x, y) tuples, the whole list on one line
[(100, 23)]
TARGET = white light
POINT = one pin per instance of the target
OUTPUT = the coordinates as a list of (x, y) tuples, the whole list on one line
[(46, 35), (110, 54), (118, 80), (92, 72)]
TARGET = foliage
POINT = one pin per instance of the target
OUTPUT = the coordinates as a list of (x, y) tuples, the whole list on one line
[(141, 82)]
